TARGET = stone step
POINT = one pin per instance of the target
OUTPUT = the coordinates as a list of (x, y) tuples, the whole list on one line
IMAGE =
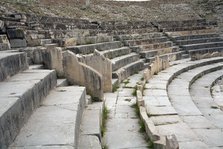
[(121, 61), (56, 122), (191, 33), (87, 49), (206, 50), (202, 45), (139, 36), (172, 124), (127, 70), (145, 41), (157, 46), (195, 36), (91, 125), (186, 106), (116, 52), (20, 96), (196, 41), (186, 28), (12, 63), (153, 53), (168, 56)]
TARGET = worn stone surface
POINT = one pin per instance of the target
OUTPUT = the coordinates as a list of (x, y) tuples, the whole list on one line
[(91, 123), (22, 94), (89, 142), (122, 126), (56, 122), (181, 130), (212, 137)]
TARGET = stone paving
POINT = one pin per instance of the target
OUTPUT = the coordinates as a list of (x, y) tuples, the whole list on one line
[(123, 125)]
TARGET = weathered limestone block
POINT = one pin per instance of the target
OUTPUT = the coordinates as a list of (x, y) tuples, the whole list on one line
[(28, 91), (101, 64), (4, 43), (149, 125), (81, 74), (53, 59), (12, 63), (155, 67)]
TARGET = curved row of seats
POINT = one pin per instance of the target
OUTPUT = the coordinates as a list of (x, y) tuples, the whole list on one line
[(194, 37), (171, 104)]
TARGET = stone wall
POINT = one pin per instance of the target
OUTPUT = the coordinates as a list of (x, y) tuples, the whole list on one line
[(101, 64), (81, 74)]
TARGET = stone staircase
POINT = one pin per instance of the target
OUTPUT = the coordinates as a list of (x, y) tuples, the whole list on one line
[(198, 37), (39, 110)]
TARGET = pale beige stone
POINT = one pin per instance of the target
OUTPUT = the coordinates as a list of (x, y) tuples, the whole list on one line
[(81, 74), (101, 64)]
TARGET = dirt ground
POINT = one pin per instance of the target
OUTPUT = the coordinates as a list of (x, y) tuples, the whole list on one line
[(110, 10)]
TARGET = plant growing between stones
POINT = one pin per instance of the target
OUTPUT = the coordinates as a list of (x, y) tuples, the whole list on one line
[(134, 91), (115, 88), (105, 113), (142, 128), (126, 81)]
